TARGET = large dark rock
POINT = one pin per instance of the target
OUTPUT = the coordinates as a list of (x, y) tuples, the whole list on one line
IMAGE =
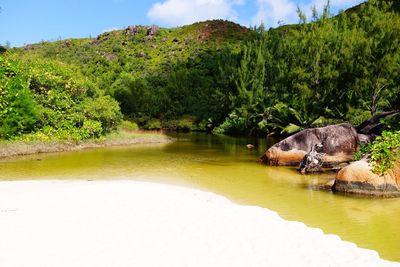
[(339, 142), (358, 178)]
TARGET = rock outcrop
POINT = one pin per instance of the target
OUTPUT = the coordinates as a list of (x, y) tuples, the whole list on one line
[(339, 142), (131, 30), (358, 178), (152, 30)]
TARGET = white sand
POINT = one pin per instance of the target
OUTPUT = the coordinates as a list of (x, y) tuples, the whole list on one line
[(127, 223)]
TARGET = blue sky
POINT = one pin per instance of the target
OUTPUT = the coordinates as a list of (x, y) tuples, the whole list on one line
[(23, 22)]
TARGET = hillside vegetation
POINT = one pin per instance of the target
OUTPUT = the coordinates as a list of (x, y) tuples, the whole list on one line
[(47, 100), (217, 75)]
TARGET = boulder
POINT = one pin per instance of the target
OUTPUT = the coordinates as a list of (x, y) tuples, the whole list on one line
[(339, 142), (152, 30), (358, 178), (131, 30)]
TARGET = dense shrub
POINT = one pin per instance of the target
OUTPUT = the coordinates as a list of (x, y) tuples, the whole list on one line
[(232, 125), (91, 129), (129, 125), (18, 109), (153, 124), (48, 100), (105, 110), (185, 124), (383, 152)]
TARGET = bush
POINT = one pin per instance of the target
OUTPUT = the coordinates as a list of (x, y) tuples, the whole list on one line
[(91, 129), (105, 110), (18, 109), (181, 125), (128, 125), (383, 152), (153, 124), (185, 125), (170, 125), (392, 123), (204, 126), (232, 125), (357, 116), (47, 101)]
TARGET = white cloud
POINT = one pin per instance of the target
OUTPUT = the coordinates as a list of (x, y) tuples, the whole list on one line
[(110, 29), (335, 5), (181, 12), (270, 12)]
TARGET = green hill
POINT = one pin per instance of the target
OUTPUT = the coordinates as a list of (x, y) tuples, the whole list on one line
[(149, 70), (222, 76), (139, 48)]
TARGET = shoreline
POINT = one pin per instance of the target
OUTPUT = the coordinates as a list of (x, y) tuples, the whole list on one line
[(22, 148), (131, 223)]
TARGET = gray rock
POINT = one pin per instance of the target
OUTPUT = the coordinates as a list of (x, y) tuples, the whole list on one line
[(339, 142)]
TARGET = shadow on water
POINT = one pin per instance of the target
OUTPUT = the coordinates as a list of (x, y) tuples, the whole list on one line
[(225, 166)]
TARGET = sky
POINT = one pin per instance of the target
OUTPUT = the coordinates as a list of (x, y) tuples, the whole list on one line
[(24, 22)]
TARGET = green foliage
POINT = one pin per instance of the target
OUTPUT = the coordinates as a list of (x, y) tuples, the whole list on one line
[(392, 123), (232, 125), (357, 115), (362, 152), (185, 124), (18, 109), (91, 129), (129, 125), (383, 152), (227, 77), (170, 75), (105, 110), (48, 100), (334, 69), (153, 124), (131, 93)]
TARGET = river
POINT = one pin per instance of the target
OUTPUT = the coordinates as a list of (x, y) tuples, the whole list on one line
[(224, 165)]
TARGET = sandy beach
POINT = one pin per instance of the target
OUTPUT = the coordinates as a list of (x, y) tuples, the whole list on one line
[(129, 223)]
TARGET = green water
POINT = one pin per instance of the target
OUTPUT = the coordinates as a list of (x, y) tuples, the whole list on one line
[(223, 165)]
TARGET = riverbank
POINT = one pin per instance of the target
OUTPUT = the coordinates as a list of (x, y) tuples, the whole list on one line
[(120, 138), (128, 223)]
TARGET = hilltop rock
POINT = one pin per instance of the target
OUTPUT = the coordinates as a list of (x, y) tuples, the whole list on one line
[(339, 142), (66, 43), (358, 178), (131, 30), (152, 30)]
